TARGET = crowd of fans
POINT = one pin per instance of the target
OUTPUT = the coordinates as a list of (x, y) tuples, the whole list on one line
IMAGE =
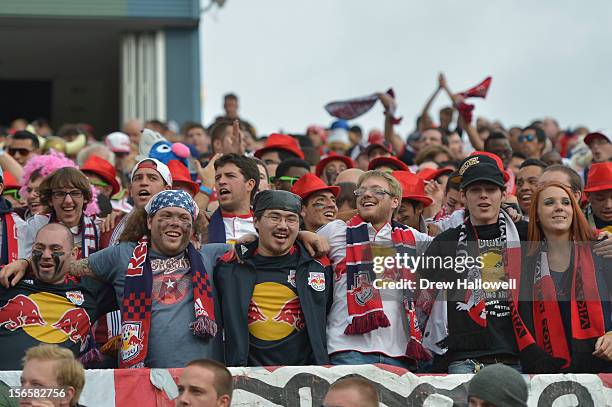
[(157, 247)]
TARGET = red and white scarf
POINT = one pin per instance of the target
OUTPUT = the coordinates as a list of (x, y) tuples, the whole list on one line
[(364, 302)]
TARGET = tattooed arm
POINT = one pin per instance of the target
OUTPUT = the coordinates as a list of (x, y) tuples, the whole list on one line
[(80, 268)]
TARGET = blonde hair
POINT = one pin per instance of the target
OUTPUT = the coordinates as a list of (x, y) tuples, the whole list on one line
[(68, 370), (394, 186)]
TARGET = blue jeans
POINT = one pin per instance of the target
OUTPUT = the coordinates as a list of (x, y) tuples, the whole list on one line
[(468, 366), (352, 357)]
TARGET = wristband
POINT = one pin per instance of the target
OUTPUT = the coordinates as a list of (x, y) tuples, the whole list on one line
[(206, 190)]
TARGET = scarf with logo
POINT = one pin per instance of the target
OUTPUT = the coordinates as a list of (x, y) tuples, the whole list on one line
[(364, 302), (587, 321), (137, 304), (89, 235)]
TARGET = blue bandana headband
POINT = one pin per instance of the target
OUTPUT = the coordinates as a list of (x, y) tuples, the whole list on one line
[(172, 198)]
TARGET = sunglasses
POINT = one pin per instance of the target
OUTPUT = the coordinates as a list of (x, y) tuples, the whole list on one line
[(291, 180), (522, 138), (21, 151)]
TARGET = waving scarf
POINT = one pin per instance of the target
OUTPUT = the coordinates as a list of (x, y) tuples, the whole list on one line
[(137, 304), (365, 306)]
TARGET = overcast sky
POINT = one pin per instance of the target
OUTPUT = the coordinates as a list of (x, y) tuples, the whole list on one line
[(287, 58)]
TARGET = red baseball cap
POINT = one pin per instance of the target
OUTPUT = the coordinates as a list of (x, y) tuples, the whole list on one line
[(180, 173), (103, 169), (281, 142), (309, 183), (428, 174), (588, 139), (600, 177), (413, 187), (391, 161), (332, 156)]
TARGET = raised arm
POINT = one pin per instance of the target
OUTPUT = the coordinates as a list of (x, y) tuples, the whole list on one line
[(389, 104), (430, 101)]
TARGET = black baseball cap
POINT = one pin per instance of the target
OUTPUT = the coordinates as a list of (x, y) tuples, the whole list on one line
[(480, 168)]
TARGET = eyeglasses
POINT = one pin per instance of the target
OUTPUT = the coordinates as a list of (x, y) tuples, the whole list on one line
[(61, 195), (291, 180), (276, 219), (11, 192), (21, 151), (522, 138), (101, 184), (377, 192)]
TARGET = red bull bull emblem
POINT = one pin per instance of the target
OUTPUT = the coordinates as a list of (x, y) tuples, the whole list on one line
[(363, 290), (75, 297), (255, 314), (291, 313), (291, 278), (131, 340), (317, 281), (75, 324), (19, 312)]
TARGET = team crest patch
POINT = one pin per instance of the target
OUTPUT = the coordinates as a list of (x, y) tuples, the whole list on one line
[(243, 249), (75, 297), (131, 342), (317, 281), (291, 278)]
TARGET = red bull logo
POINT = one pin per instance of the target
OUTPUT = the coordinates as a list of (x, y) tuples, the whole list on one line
[(131, 340), (291, 314), (20, 312), (46, 317), (362, 289), (317, 281), (75, 324)]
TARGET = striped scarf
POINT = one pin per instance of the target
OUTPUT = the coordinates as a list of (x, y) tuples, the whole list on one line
[(364, 302), (90, 241), (137, 304)]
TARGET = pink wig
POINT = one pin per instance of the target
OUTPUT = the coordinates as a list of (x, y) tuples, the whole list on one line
[(47, 164)]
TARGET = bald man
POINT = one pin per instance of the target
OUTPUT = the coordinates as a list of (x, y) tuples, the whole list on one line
[(350, 175), (49, 307)]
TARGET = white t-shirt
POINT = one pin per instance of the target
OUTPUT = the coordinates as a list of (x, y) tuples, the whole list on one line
[(391, 341), (237, 226)]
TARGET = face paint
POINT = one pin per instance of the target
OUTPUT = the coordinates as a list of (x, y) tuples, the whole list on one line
[(36, 256), (57, 261)]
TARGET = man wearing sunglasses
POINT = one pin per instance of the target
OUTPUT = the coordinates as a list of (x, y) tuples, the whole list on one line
[(532, 142), (22, 146), (288, 172), (388, 323)]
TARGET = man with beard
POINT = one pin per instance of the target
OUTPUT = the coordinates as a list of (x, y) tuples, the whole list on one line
[(161, 282), (49, 307), (318, 201), (414, 200), (236, 182), (527, 182), (331, 166), (367, 324), (275, 297), (599, 194)]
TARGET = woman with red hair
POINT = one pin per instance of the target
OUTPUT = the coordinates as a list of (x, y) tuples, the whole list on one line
[(564, 289)]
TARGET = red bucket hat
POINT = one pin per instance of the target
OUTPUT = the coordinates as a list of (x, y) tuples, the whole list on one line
[(309, 183), (181, 173), (413, 187), (377, 140), (103, 169), (600, 177), (281, 142), (332, 156), (428, 174), (392, 161)]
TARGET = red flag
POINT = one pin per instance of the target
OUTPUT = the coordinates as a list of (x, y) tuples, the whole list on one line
[(478, 91)]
